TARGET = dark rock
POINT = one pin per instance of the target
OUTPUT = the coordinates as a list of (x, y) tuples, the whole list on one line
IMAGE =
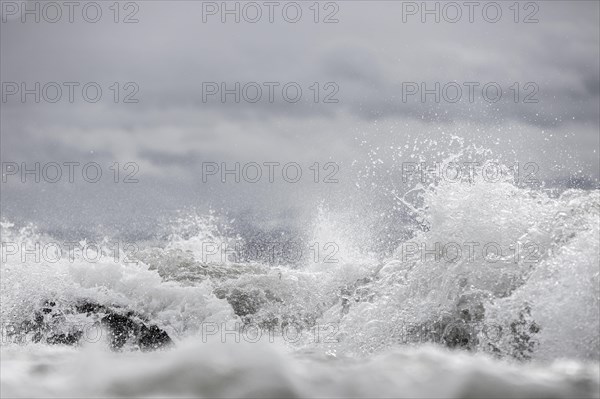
[(50, 325), (523, 332), (448, 330), (245, 302), (521, 335), (127, 327)]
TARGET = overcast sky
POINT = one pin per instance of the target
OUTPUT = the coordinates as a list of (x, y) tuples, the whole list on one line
[(366, 56)]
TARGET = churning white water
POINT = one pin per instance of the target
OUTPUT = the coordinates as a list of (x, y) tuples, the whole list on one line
[(495, 293)]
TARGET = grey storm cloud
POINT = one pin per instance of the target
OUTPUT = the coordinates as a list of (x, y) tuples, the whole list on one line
[(171, 64), (369, 55)]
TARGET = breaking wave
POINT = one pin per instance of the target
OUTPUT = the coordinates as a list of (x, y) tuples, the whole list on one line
[(486, 288)]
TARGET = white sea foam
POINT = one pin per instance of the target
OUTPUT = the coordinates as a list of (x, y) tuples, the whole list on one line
[(521, 313)]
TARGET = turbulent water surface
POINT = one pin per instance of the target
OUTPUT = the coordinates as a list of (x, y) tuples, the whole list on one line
[(206, 310)]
